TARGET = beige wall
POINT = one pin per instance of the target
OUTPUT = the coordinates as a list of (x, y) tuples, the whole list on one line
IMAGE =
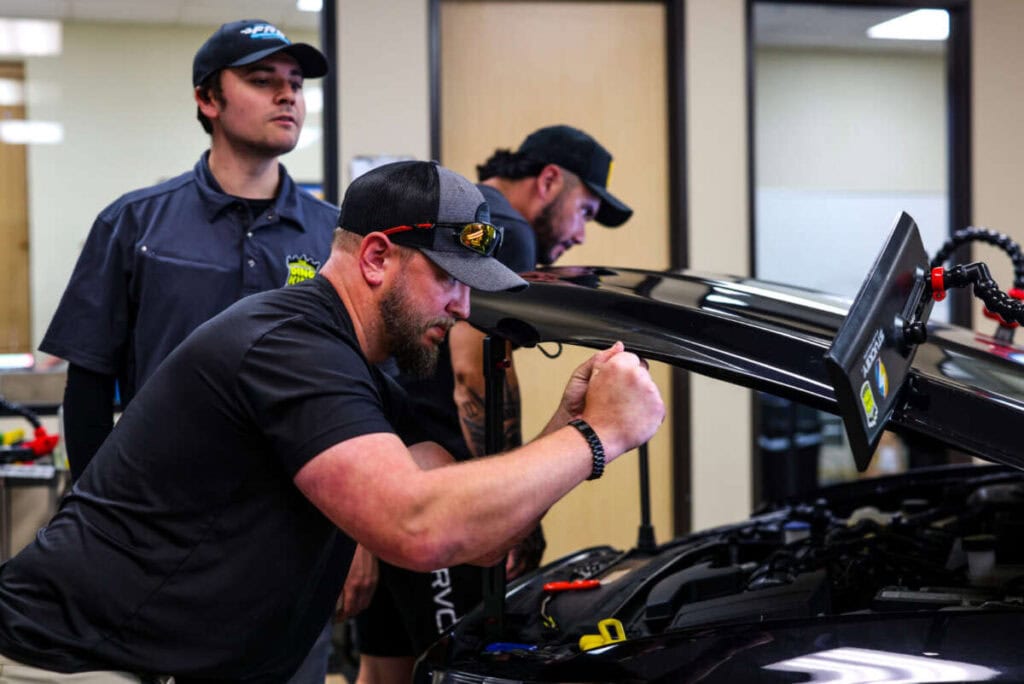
[(621, 46), (845, 140), (123, 94), (383, 80), (810, 101), (997, 66), (719, 220)]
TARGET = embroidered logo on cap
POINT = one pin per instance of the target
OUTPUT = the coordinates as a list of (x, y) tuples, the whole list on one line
[(300, 268), (265, 31)]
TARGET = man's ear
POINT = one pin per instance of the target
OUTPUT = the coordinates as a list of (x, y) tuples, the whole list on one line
[(549, 182), (205, 103), (376, 255)]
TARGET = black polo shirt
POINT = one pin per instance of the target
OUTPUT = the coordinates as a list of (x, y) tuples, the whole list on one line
[(185, 548), (161, 260)]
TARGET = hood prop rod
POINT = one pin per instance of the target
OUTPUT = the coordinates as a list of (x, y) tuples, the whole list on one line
[(495, 363), (645, 535)]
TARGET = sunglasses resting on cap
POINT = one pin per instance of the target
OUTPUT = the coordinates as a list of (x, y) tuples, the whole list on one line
[(482, 238)]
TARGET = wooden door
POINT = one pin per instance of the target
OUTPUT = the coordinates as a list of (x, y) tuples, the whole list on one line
[(14, 295), (508, 68)]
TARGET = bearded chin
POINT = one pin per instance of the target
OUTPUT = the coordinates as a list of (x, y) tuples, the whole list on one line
[(404, 335), (414, 359), (544, 229)]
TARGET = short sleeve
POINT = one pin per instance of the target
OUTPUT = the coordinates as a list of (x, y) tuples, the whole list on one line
[(518, 249), (310, 389), (90, 326)]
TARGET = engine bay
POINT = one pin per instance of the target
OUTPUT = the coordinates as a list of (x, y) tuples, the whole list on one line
[(939, 541)]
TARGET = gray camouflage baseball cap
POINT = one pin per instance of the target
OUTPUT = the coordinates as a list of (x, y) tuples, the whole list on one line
[(435, 210)]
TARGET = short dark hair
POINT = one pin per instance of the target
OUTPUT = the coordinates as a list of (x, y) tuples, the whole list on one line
[(209, 89), (509, 164)]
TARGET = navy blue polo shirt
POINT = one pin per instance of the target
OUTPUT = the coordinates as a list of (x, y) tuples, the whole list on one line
[(518, 248), (160, 261)]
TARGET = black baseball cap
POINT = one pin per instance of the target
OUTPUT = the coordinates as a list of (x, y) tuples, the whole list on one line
[(424, 205), (243, 42), (575, 151)]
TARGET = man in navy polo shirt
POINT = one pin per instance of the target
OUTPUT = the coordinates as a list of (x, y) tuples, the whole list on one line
[(161, 260)]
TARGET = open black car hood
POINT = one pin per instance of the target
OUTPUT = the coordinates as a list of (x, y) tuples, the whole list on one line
[(964, 389)]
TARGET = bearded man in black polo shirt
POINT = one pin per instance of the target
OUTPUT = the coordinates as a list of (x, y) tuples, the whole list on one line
[(214, 528)]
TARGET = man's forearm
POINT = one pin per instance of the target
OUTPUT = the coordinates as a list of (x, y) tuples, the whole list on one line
[(88, 415), (425, 519), (373, 489), (471, 416), (466, 348)]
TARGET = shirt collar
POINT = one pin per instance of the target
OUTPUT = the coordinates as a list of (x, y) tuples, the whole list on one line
[(287, 206)]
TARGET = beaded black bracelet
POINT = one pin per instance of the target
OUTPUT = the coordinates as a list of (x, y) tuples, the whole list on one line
[(596, 448)]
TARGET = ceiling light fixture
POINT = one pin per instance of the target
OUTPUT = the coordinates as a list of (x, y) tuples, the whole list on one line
[(309, 5), (30, 37), (19, 132), (922, 24)]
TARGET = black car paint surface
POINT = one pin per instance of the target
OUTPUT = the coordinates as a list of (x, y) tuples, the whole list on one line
[(879, 587)]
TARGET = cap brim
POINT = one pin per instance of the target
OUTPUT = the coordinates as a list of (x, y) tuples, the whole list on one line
[(479, 272), (612, 212), (311, 61)]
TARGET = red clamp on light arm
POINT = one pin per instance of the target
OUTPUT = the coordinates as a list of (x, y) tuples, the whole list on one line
[(1016, 294), (43, 443), (999, 319), (938, 283)]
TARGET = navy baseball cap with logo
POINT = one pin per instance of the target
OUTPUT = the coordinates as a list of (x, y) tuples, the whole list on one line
[(423, 205), (247, 41), (575, 151)]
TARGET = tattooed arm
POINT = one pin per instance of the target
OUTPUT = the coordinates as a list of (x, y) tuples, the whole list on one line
[(466, 343)]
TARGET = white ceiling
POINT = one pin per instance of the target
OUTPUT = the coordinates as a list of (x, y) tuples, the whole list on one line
[(830, 26), (776, 24), (282, 13)]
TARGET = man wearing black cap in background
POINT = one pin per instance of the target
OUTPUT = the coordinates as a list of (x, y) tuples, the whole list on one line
[(216, 524), (161, 260), (543, 195)]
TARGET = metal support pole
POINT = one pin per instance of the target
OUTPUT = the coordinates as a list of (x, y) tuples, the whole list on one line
[(645, 537), (495, 364)]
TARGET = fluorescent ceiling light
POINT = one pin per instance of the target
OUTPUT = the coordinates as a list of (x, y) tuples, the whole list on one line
[(309, 5), (922, 24), (18, 132), (30, 37)]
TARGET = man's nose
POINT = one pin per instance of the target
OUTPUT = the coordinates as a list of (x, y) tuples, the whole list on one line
[(459, 305), (285, 93), (580, 236)]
